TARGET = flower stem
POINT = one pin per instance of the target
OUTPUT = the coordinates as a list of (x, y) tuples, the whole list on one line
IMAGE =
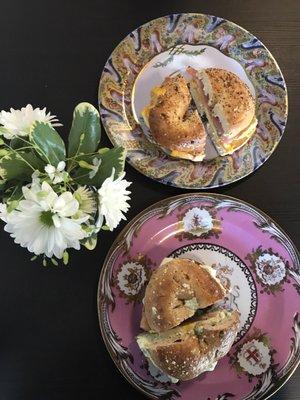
[(24, 140), (13, 192), (37, 149), (80, 176), (23, 159), (25, 147), (80, 155)]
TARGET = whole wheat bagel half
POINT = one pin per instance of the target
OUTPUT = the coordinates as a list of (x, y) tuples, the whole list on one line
[(227, 103), (173, 123), (176, 290), (192, 348)]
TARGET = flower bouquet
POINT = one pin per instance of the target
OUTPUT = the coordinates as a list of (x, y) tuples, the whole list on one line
[(55, 199)]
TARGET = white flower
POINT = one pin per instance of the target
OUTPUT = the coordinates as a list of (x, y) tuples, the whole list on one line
[(254, 357), (94, 167), (45, 223), (3, 212), (56, 174), (86, 200), (35, 178), (18, 122), (131, 278), (197, 221), (270, 269), (113, 198)]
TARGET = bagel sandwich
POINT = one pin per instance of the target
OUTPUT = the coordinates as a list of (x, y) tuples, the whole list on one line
[(176, 290), (184, 335), (212, 102), (173, 120), (192, 348), (228, 105)]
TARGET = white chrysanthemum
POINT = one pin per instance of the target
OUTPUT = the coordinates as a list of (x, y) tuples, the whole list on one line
[(56, 174), (44, 222), (270, 269), (86, 200), (197, 221), (35, 178), (113, 198), (3, 212), (18, 122)]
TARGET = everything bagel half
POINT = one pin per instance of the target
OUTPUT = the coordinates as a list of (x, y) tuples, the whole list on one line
[(192, 348), (184, 338), (174, 122), (176, 290), (228, 105), (218, 96)]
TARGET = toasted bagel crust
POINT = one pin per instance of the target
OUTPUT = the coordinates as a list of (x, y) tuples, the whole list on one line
[(192, 348), (175, 291), (173, 124), (228, 105), (233, 96)]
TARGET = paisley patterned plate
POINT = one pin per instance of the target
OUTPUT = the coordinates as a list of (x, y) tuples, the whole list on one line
[(168, 45), (252, 256)]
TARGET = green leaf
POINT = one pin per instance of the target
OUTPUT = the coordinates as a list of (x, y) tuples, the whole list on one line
[(105, 228), (51, 147), (90, 242), (13, 166), (85, 131), (3, 152), (20, 165), (34, 160), (113, 158), (2, 186), (33, 258), (17, 143)]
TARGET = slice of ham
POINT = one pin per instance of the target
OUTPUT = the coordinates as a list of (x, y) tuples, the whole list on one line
[(226, 137), (205, 101)]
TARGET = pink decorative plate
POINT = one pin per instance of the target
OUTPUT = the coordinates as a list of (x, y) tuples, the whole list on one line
[(253, 257)]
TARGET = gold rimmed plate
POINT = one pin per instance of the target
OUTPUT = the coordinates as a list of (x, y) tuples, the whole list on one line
[(168, 45)]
